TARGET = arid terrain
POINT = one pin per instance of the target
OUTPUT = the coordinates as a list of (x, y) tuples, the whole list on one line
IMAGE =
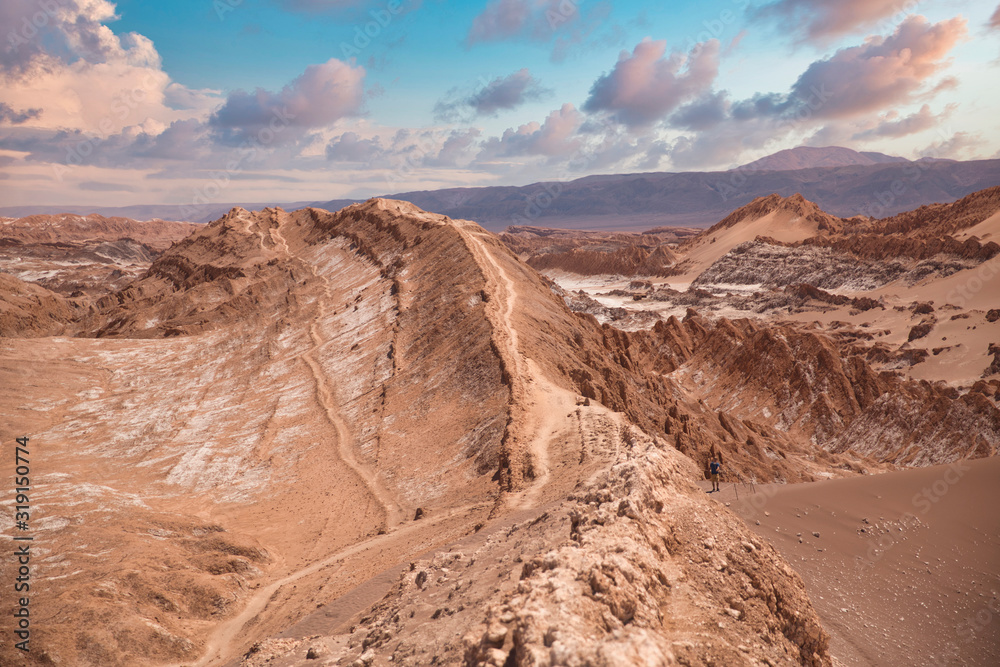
[(384, 436)]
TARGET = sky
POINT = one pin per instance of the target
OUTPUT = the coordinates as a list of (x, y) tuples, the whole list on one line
[(213, 101)]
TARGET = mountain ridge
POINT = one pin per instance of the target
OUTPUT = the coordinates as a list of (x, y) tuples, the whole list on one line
[(633, 202), (810, 157)]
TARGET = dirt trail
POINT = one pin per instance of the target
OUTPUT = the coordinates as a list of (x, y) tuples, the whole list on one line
[(539, 408), (278, 238), (221, 645), (225, 638), (538, 405), (345, 440)]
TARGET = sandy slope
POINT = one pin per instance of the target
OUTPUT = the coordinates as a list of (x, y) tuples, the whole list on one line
[(987, 230), (781, 225), (906, 567)]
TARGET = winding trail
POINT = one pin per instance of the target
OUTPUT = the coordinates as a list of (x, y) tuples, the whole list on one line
[(537, 404), (537, 407), (345, 440), (224, 639), (220, 646)]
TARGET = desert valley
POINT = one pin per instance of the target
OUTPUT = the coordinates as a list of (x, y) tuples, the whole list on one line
[(381, 435), (499, 333)]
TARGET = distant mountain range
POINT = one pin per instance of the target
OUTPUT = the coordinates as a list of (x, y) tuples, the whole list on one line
[(809, 157), (841, 181)]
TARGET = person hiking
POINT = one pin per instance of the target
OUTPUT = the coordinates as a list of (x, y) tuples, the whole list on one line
[(713, 468)]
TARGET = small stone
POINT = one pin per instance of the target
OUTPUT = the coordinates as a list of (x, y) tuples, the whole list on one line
[(496, 634), (815, 534), (495, 657), (366, 659)]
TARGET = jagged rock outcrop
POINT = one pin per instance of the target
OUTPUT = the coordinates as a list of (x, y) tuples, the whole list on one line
[(627, 570), (89, 255), (625, 262), (770, 264), (803, 384), (28, 310), (937, 220)]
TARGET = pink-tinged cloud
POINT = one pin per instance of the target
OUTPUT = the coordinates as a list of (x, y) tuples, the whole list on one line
[(893, 125), (961, 146), (556, 137), (321, 95), (879, 74), (456, 150), (994, 22), (825, 19), (646, 85), (521, 19)]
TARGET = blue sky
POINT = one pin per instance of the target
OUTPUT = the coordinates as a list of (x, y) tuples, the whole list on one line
[(258, 100)]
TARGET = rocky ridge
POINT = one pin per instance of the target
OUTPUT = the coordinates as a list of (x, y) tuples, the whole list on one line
[(362, 365), (626, 570)]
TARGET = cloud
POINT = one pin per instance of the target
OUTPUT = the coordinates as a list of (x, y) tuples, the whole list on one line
[(822, 20), (426, 148), (45, 32), (321, 95), (874, 76), (994, 22), (703, 113), (521, 19), (831, 103), (61, 59), (502, 93), (8, 115), (501, 19), (349, 147), (103, 186), (456, 149), (181, 141), (892, 125), (507, 93), (961, 145), (726, 142), (645, 86), (879, 73), (555, 137)]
